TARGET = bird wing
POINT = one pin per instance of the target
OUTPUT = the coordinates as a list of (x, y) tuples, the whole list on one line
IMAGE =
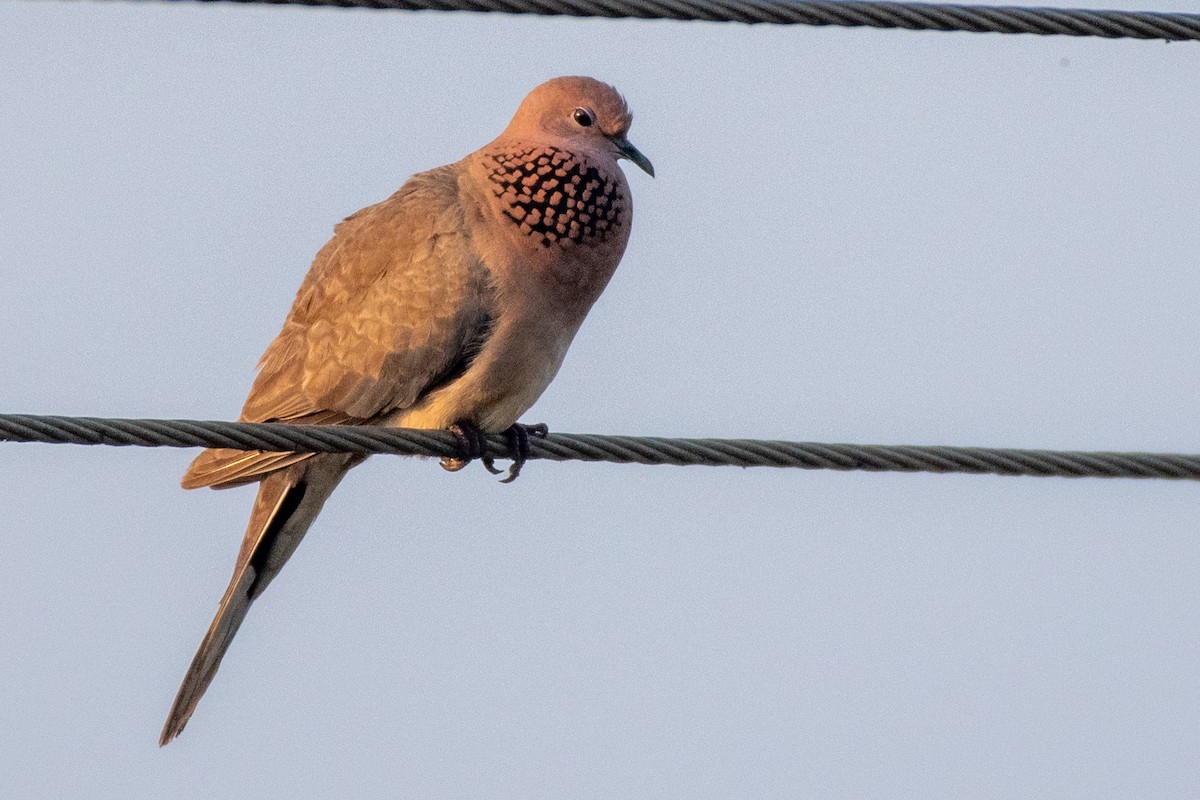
[(394, 304)]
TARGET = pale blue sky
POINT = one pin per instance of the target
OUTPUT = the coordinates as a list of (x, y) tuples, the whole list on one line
[(855, 235)]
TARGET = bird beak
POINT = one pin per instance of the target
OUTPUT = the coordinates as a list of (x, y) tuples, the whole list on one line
[(625, 149)]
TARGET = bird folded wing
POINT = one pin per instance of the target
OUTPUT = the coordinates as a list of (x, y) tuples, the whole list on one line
[(394, 303)]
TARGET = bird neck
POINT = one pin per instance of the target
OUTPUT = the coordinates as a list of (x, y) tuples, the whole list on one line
[(555, 197)]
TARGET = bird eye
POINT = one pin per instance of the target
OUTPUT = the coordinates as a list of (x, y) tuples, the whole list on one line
[(584, 117)]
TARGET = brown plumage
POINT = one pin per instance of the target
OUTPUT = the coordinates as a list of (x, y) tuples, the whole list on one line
[(453, 301)]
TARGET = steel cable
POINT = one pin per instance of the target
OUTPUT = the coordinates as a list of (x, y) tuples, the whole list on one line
[(1168, 26), (591, 447)]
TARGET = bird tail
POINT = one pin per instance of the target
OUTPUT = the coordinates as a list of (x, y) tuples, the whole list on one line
[(288, 501)]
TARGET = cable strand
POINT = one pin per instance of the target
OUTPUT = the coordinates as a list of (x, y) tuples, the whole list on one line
[(279, 437), (1167, 26)]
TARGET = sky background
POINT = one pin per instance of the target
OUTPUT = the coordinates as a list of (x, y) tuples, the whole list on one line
[(855, 235)]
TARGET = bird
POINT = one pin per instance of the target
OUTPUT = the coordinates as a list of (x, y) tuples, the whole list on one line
[(449, 305)]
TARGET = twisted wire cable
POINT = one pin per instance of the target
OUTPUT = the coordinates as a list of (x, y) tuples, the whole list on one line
[(1168, 26), (591, 447)]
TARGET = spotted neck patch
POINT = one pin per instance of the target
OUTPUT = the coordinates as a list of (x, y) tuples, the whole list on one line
[(554, 197)]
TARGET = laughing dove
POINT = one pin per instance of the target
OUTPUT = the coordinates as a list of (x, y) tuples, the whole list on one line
[(449, 305)]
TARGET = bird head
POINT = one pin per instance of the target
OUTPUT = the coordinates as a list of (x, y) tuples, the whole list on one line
[(582, 113)]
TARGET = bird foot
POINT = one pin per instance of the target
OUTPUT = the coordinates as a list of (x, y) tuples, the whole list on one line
[(520, 448), (472, 443)]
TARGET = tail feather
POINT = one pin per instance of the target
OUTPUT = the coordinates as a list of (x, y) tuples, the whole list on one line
[(288, 501), (203, 669)]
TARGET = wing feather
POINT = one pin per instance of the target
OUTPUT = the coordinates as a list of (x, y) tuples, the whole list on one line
[(392, 304)]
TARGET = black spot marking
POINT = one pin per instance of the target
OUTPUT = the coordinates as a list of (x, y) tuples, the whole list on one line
[(554, 197)]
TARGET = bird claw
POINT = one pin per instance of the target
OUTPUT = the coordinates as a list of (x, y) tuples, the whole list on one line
[(471, 442), (519, 445)]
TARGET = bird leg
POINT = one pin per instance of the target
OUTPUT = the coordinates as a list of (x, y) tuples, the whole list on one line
[(472, 444), (519, 447)]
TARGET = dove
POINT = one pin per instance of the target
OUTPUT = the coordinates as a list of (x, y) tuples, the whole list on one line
[(449, 305)]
